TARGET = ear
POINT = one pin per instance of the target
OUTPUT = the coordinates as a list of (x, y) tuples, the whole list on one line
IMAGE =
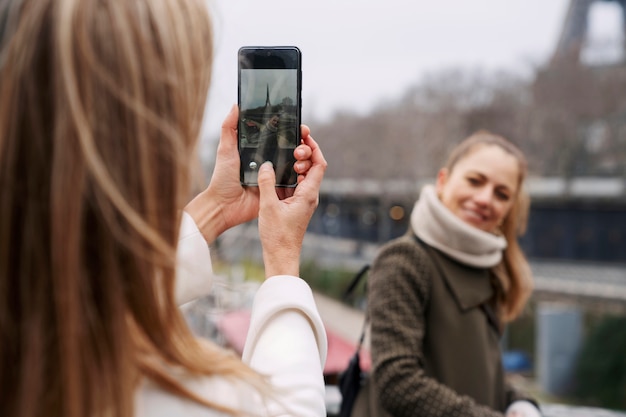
[(442, 179)]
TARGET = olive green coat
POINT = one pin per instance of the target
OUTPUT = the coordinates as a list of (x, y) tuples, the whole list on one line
[(435, 347)]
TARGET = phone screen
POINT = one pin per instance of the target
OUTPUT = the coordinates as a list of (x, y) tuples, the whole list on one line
[(269, 111)]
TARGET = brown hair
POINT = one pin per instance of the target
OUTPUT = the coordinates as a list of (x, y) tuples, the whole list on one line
[(517, 281), (101, 104)]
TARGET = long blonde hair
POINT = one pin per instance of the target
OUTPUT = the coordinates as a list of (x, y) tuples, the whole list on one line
[(101, 103), (517, 280)]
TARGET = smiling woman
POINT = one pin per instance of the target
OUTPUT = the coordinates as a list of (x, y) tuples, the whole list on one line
[(452, 281), (480, 188), (489, 163)]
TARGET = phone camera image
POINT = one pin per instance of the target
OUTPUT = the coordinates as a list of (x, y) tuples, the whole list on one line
[(269, 111)]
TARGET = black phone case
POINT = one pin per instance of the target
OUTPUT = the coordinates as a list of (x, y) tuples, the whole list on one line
[(269, 99)]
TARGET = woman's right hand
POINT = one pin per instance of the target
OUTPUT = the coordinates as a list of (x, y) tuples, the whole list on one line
[(283, 222)]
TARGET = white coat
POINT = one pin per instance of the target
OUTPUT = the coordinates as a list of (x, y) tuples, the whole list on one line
[(286, 341)]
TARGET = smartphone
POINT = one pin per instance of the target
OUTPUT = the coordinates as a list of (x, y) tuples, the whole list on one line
[(269, 98)]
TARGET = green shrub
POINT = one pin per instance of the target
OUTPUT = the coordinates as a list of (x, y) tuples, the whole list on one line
[(601, 366), (520, 333), (331, 282)]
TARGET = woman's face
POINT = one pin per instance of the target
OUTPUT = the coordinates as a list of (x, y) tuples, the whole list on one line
[(481, 187)]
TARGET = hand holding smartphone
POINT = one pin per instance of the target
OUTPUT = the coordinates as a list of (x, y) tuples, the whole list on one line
[(269, 98)]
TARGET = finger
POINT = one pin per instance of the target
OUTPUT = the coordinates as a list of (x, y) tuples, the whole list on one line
[(301, 167), (231, 119), (267, 183), (304, 131), (317, 157), (302, 152), (228, 138), (313, 178)]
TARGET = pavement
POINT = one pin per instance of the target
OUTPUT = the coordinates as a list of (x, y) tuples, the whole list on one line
[(563, 410), (340, 318)]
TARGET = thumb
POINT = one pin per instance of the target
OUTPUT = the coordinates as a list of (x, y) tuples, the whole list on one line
[(267, 181), (228, 137)]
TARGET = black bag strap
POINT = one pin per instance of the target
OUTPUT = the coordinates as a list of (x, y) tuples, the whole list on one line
[(363, 330), (355, 282)]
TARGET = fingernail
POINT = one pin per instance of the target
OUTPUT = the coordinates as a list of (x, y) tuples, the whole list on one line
[(267, 165)]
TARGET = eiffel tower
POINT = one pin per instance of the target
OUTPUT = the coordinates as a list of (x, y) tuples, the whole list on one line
[(267, 97), (575, 29)]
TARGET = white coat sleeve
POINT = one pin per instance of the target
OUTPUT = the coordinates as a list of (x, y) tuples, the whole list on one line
[(287, 342), (194, 271)]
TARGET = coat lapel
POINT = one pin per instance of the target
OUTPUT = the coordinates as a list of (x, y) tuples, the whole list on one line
[(470, 287)]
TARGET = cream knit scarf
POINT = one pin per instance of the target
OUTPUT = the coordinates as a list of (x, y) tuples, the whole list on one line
[(436, 225)]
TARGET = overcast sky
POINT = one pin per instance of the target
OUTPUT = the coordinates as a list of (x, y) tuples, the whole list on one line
[(359, 53)]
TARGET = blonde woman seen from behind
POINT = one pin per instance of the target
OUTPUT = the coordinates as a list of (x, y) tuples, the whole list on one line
[(101, 104), (440, 296)]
